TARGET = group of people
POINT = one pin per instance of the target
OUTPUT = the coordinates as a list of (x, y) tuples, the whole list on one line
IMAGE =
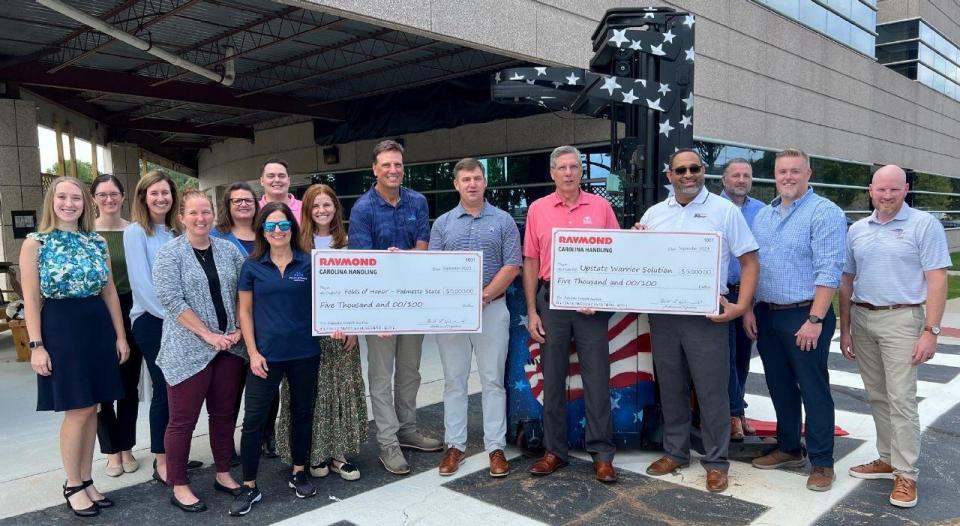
[(780, 266), (218, 306)]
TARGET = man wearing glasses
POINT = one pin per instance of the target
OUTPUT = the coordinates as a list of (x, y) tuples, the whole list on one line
[(803, 246), (276, 186), (692, 346), (568, 207)]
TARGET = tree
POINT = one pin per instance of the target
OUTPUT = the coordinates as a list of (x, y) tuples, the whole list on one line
[(84, 171)]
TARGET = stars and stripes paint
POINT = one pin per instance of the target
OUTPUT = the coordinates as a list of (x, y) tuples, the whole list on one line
[(630, 358)]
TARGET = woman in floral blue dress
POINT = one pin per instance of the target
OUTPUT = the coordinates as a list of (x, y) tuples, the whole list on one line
[(77, 339)]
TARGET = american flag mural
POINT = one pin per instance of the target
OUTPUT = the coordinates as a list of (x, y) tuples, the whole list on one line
[(631, 379)]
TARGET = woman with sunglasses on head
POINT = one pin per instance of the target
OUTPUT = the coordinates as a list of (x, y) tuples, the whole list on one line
[(154, 224), (200, 353), (340, 410), (117, 428), (76, 332), (275, 311)]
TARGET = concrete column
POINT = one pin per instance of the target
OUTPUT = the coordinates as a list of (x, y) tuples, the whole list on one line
[(125, 158), (20, 179)]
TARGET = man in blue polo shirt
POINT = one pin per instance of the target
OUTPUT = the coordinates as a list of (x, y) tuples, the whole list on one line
[(390, 217), (737, 183)]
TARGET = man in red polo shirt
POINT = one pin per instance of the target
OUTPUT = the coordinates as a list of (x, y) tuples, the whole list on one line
[(568, 207)]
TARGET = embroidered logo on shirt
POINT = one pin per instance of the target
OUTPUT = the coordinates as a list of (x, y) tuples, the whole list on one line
[(897, 232), (587, 220), (299, 277), (700, 215)]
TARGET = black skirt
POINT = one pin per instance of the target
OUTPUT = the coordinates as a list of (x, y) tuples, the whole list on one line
[(79, 336)]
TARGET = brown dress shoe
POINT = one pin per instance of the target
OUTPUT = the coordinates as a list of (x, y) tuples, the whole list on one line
[(904, 494), (778, 459), (820, 479), (736, 429), (747, 428), (451, 461), (604, 470), (716, 480), (499, 467), (878, 469), (547, 464), (664, 466)]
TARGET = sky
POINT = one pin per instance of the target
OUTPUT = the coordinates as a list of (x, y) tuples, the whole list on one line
[(48, 149)]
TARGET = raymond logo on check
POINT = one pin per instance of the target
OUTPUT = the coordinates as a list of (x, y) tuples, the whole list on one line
[(636, 271)]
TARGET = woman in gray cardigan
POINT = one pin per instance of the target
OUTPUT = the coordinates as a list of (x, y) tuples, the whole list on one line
[(201, 351)]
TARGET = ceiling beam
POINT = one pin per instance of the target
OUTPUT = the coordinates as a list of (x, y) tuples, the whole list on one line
[(118, 83)]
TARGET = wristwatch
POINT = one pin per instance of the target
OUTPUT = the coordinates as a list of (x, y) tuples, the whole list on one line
[(35, 344), (934, 330), (813, 318)]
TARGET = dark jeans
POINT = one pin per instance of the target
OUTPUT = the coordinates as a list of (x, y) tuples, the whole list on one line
[(741, 348), (302, 377), (796, 377), (589, 333), (147, 330), (217, 385), (271, 427), (117, 430)]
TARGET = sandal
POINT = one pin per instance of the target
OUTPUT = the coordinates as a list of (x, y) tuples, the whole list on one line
[(104, 502), (68, 491)]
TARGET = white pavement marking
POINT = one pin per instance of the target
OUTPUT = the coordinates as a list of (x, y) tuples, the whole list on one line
[(419, 499)]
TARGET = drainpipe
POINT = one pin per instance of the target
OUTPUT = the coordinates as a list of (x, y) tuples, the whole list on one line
[(226, 78)]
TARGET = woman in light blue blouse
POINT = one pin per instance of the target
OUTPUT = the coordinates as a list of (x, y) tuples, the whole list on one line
[(155, 205), (77, 337)]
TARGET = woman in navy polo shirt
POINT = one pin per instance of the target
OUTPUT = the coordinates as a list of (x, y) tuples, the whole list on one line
[(274, 310)]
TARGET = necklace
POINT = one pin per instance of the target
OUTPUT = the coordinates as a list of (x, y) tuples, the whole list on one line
[(202, 254)]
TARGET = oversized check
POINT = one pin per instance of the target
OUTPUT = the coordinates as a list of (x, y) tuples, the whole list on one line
[(404, 292), (635, 271)]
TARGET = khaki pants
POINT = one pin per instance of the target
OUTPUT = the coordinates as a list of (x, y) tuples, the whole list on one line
[(883, 342), (393, 374)]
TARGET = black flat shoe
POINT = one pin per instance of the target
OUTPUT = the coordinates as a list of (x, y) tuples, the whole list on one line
[(68, 491), (194, 464), (104, 502), (231, 491), (196, 507)]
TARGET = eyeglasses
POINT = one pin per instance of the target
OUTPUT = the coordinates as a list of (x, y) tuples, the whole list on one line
[(270, 226), (241, 201), (682, 170), (103, 196)]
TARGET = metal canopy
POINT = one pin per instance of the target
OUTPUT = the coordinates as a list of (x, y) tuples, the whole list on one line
[(291, 64)]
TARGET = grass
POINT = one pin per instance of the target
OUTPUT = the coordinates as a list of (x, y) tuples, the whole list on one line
[(955, 261)]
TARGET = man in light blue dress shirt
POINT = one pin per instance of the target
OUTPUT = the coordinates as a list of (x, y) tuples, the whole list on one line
[(803, 246), (737, 183)]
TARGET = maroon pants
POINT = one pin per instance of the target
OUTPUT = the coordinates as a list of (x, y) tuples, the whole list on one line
[(217, 384)]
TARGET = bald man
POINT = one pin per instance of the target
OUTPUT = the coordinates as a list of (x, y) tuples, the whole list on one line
[(897, 261)]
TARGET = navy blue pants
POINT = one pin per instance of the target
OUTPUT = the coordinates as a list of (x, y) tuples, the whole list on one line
[(740, 353), (147, 330), (796, 377)]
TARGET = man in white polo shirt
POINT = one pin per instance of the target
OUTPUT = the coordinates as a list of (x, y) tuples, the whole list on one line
[(694, 346), (897, 260)]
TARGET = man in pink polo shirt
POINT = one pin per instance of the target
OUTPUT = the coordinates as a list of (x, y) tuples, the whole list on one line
[(276, 186), (568, 207)]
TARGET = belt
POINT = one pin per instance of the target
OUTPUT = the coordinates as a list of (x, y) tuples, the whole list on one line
[(777, 306), (733, 287), (871, 306)]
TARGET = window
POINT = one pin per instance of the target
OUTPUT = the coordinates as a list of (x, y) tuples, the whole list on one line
[(850, 22), (926, 56)]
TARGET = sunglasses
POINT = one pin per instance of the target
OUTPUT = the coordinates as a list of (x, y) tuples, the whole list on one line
[(270, 226), (682, 170)]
